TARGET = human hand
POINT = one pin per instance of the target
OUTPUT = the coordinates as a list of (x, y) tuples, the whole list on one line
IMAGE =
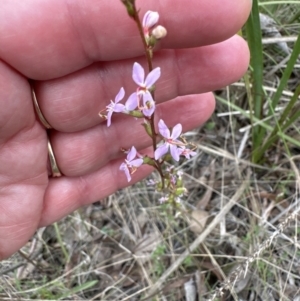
[(79, 54)]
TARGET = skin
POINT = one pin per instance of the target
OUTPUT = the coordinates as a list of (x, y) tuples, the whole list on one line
[(78, 54)]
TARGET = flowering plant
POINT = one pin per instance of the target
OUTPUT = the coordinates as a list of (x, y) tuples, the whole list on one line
[(141, 104)]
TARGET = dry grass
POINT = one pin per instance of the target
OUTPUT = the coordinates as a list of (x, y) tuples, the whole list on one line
[(128, 247)]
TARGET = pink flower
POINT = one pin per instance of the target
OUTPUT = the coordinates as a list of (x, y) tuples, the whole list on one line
[(163, 199), (188, 153), (171, 141), (138, 75), (131, 164), (143, 93), (115, 106)]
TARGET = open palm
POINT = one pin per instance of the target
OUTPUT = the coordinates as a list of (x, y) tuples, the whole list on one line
[(78, 54)]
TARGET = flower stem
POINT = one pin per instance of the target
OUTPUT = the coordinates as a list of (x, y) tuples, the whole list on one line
[(148, 53), (141, 31)]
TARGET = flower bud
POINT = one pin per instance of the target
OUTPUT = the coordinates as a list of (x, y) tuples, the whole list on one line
[(147, 127), (159, 187), (150, 19), (136, 114), (149, 161), (151, 42), (129, 4), (171, 198), (179, 182), (180, 191), (159, 32)]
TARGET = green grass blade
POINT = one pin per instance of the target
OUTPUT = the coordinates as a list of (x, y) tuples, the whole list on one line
[(254, 38), (259, 152), (294, 18), (61, 243), (262, 124), (280, 127), (280, 2), (79, 288), (286, 74)]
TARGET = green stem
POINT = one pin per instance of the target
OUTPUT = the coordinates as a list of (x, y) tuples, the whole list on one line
[(61, 243)]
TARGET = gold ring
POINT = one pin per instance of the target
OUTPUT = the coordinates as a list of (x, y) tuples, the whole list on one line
[(38, 111), (54, 167)]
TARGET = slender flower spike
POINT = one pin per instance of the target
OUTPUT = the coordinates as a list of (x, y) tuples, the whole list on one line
[(138, 75), (131, 164), (150, 19), (115, 106), (171, 141)]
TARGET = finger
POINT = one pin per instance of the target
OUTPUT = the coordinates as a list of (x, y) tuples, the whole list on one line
[(64, 195), (23, 157), (59, 37), (16, 111), (20, 132), (71, 103), (84, 152)]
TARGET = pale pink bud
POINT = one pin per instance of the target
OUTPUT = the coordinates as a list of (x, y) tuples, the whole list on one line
[(159, 32), (150, 19)]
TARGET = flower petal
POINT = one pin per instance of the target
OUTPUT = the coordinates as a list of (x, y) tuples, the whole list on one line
[(147, 97), (132, 154), (148, 104), (119, 108), (174, 152), (109, 118), (132, 102), (120, 95), (152, 77), (161, 151), (187, 152), (136, 162), (190, 154), (163, 129), (163, 199), (124, 168), (138, 74), (150, 18), (148, 112), (177, 129)]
